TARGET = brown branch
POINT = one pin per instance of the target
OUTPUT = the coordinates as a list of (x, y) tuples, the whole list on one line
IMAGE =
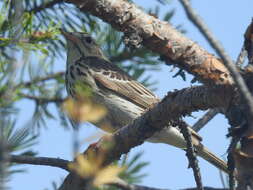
[(63, 164), (174, 105), (243, 157), (158, 36), (45, 161), (243, 89), (248, 42)]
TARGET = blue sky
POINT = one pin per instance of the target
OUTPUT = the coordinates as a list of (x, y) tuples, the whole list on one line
[(168, 165)]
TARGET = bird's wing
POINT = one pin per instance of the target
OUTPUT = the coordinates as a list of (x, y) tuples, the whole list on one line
[(111, 77)]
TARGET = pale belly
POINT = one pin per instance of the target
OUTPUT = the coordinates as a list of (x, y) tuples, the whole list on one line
[(119, 111), (122, 112)]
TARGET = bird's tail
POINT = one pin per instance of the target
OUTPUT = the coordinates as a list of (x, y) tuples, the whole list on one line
[(173, 137), (211, 158)]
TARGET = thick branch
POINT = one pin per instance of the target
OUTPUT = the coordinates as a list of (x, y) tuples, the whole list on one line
[(158, 36), (173, 106), (243, 89), (45, 161)]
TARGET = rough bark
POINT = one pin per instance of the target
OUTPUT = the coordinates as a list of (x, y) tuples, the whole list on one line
[(174, 105), (158, 36)]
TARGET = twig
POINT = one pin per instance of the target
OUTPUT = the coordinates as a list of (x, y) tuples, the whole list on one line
[(40, 79), (42, 100), (191, 155), (241, 57), (45, 161), (248, 42), (205, 119), (44, 6), (243, 89), (231, 168), (61, 163), (202, 27)]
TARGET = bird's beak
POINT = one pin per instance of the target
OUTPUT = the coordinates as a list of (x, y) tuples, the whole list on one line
[(69, 36)]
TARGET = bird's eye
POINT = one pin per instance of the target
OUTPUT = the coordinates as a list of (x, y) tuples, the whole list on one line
[(88, 40)]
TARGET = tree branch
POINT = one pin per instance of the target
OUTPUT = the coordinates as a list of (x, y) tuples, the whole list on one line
[(243, 89), (248, 42), (174, 105), (63, 164), (44, 161), (158, 36)]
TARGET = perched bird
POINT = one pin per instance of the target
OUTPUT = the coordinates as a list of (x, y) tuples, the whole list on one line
[(124, 98)]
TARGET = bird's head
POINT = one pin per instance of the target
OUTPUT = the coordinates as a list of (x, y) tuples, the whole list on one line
[(81, 44)]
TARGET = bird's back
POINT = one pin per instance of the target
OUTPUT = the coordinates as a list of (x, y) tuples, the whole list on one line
[(124, 98)]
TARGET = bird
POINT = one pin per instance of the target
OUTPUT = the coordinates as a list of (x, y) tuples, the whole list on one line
[(124, 98)]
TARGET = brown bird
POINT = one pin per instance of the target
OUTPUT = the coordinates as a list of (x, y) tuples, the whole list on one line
[(124, 98)]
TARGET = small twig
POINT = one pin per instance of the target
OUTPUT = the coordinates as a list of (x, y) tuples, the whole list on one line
[(39, 79), (205, 119), (46, 5), (191, 155), (231, 168), (243, 89), (44, 161), (248, 42), (222, 179), (241, 57), (42, 100), (201, 26)]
